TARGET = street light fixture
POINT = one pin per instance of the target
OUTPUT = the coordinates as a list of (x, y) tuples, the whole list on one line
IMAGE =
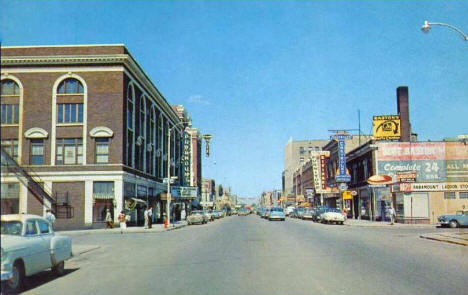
[(427, 27)]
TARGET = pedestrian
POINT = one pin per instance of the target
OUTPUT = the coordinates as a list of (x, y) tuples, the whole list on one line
[(391, 212), (150, 217), (50, 217), (146, 217), (122, 220), (109, 220), (345, 213)]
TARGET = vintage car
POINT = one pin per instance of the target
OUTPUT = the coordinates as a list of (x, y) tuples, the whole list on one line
[(459, 219), (308, 214), (197, 217), (29, 245), (332, 216), (276, 213)]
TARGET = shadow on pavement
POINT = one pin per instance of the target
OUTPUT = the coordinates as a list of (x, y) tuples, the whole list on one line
[(37, 280)]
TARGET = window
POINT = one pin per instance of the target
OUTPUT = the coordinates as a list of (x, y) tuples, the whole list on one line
[(37, 152), (102, 150), (301, 150), (70, 86), (10, 198), (69, 151), (463, 195), (43, 227), (103, 190), (449, 195), (130, 128), (10, 113), (31, 228), (11, 147), (70, 113), (9, 87)]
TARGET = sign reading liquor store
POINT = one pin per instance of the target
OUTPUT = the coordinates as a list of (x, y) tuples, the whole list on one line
[(434, 187)]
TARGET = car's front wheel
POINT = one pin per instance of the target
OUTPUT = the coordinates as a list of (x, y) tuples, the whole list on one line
[(16, 282), (453, 224), (59, 268)]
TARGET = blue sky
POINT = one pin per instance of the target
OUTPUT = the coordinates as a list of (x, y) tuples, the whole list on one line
[(256, 73)]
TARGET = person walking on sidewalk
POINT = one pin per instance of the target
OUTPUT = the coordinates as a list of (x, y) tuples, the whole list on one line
[(109, 220), (122, 220), (150, 217), (146, 217), (391, 212)]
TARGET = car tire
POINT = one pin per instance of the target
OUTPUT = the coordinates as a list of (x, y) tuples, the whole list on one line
[(453, 224), (59, 269), (15, 284)]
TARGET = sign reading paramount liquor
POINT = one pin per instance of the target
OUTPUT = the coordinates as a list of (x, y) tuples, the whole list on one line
[(434, 187), (431, 161), (386, 127)]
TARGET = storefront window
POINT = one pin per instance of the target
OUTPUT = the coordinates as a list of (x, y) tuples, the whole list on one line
[(100, 209)]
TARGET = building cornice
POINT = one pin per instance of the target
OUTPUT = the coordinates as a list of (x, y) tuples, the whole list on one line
[(127, 60)]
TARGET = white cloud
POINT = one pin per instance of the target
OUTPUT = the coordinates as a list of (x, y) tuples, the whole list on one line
[(198, 99)]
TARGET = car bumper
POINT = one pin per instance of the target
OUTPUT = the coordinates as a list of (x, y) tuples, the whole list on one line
[(276, 217), (442, 223)]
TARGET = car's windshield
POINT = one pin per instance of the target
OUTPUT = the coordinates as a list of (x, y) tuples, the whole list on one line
[(277, 209), (11, 228)]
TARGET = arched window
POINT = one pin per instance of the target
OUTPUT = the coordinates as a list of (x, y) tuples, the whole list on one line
[(151, 141), (10, 111), (70, 86), (10, 87), (159, 147), (130, 124)]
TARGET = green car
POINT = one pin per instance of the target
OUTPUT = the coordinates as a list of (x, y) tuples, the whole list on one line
[(459, 219)]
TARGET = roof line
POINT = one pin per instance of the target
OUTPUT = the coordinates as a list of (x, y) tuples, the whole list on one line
[(78, 45)]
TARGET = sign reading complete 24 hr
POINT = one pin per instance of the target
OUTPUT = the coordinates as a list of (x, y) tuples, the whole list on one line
[(432, 161)]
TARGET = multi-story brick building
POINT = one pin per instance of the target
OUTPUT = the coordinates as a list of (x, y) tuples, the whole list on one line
[(91, 127)]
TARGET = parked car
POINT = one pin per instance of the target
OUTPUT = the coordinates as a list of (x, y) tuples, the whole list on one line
[(459, 219), (293, 213), (243, 212), (209, 215), (276, 213), (332, 216), (289, 210), (299, 212), (308, 214), (196, 217), (218, 214), (318, 213), (206, 217), (29, 245)]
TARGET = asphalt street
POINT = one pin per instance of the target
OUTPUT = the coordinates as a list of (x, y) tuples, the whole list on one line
[(249, 255)]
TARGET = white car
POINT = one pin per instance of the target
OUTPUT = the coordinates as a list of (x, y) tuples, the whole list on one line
[(289, 210), (28, 246), (332, 216)]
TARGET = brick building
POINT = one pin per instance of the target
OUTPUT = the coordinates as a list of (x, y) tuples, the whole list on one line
[(88, 125)]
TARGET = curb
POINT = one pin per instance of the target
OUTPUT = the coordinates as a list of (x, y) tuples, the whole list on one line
[(176, 227), (443, 240)]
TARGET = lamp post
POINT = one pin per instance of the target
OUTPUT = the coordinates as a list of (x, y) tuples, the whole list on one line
[(427, 27)]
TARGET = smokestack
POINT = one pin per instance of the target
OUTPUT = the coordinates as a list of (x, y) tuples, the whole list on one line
[(403, 111)]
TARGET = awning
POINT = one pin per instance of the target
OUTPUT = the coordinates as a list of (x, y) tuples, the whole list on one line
[(103, 197)]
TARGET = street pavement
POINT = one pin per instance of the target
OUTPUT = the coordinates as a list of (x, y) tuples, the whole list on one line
[(250, 255)]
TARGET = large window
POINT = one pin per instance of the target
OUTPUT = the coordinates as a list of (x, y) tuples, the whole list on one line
[(463, 195), (69, 151), (130, 124), (102, 150), (10, 113), (70, 86), (37, 152), (9, 87), (11, 147), (449, 195), (69, 113)]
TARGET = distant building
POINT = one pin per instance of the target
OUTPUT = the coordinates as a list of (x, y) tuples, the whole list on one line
[(296, 153)]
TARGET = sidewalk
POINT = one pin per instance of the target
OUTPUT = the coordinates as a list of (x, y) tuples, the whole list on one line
[(130, 229), (367, 223), (459, 238)]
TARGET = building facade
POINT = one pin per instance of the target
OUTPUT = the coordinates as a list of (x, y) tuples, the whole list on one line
[(92, 129)]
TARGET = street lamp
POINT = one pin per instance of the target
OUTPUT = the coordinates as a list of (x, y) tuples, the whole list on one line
[(427, 27)]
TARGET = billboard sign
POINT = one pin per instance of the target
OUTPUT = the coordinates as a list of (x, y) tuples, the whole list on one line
[(386, 127), (431, 161), (341, 175)]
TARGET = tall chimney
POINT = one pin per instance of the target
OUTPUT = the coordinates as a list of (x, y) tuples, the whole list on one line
[(403, 111)]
